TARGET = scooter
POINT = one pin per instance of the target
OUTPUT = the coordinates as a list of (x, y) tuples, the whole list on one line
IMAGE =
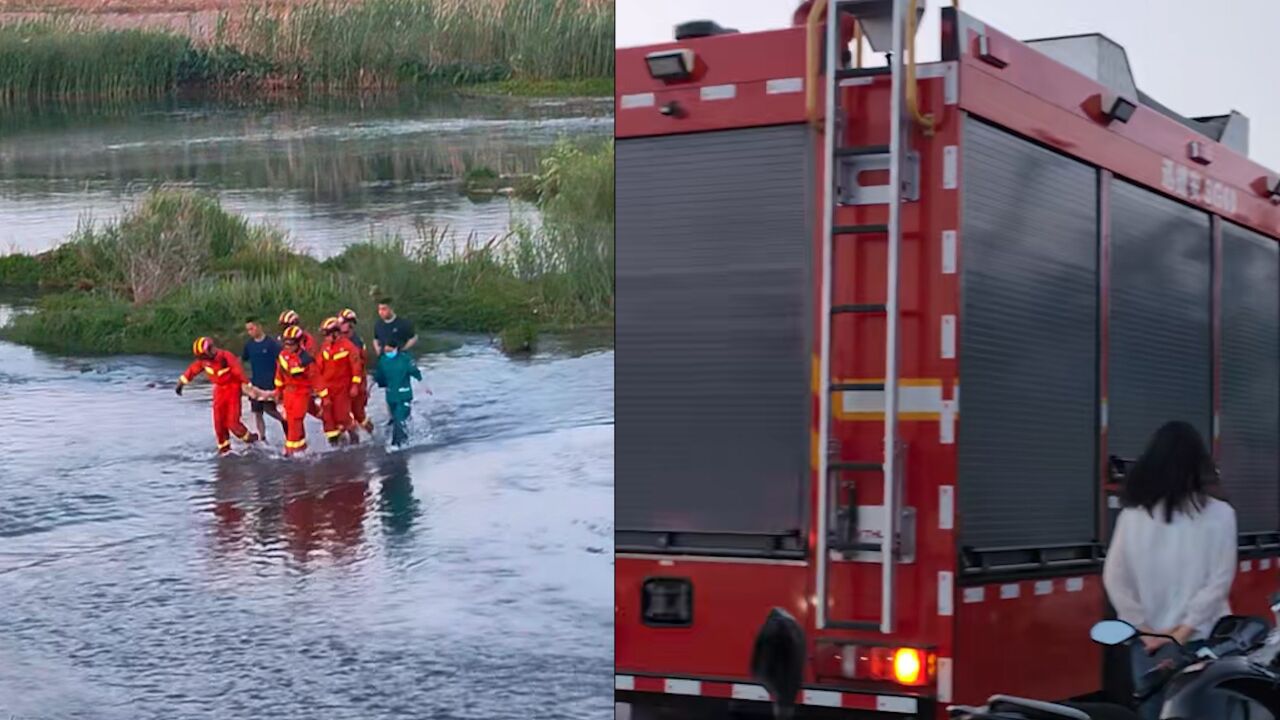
[(1240, 659)]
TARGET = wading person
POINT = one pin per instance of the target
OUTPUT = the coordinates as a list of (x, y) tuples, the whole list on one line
[(360, 401), (393, 372), (289, 319), (261, 353), (295, 383), (392, 327), (229, 382), (341, 374), (1173, 555)]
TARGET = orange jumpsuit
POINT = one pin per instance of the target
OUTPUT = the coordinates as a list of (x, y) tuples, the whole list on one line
[(225, 373), (361, 400), (295, 379), (340, 367)]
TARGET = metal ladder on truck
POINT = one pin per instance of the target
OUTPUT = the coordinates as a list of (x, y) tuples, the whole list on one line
[(885, 22)]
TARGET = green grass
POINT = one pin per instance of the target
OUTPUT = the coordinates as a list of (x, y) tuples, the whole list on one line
[(521, 45), (177, 266), (60, 58)]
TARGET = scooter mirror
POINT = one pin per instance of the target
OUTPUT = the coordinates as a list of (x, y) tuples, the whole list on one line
[(1112, 632)]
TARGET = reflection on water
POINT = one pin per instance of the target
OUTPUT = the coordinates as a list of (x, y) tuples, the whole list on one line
[(468, 576), (329, 171)]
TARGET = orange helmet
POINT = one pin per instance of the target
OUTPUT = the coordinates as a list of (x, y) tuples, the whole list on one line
[(293, 332), (201, 346), (289, 318), (331, 324), (348, 315)]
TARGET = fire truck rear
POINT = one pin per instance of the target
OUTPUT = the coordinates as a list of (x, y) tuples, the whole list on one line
[(815, 255)]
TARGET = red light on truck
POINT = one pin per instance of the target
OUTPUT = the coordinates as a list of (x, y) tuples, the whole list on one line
[(910, 667)]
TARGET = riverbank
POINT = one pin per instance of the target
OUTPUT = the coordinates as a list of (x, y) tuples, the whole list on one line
[(530, 47), (178, 265)]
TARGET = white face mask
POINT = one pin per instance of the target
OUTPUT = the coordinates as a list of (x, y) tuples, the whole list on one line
[(390, 353)]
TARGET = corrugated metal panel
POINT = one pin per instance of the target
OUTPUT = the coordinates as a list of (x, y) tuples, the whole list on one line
[(1028, 344), (1160, 354), (1250, 377), (713, 316)]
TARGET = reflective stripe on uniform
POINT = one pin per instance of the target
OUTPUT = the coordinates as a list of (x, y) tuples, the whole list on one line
[(183, 379), (224, 371), (339, 356), (295, 444), (297, 370), (208, 369), (279, 383), (357, 379), (323, 393), (224, 445), (284, 363), (331, 434)]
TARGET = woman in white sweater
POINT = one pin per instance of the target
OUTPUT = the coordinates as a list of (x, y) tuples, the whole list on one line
[(1172, 557)]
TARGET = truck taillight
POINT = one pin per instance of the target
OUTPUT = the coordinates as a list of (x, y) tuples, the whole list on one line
[(667, 602), (910, 667)]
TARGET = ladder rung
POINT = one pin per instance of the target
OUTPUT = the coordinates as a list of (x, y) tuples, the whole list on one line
[(859, 229), (856, 466), (858, 308), (862, 151), (848, 73), (857, 387)]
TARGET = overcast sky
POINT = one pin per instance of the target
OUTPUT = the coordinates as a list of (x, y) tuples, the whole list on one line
[(1194, 59)]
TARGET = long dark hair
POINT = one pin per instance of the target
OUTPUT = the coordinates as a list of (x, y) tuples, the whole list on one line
[(1176, 471)]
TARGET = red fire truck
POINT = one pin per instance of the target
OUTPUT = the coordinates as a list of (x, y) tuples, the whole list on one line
[(813, 256)]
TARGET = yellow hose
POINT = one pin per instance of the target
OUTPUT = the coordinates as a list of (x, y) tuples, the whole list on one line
[(913, 105), (811, 62)]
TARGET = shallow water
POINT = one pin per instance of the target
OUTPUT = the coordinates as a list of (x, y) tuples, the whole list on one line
[(331, 171), (469, 576)]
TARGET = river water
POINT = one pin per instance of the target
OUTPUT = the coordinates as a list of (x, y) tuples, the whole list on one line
[(329, 171), (468, 576)]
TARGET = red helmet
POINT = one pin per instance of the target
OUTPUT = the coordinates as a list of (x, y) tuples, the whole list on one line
[(347, 315), (331, 324), (202, 346), (289, 318), (293, 332)]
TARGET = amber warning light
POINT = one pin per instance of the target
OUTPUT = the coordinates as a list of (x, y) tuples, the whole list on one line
[(910, 667), (667, 65)]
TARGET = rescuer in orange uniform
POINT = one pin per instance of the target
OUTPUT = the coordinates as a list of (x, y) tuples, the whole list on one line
[(296, 379), (229, 382), (360, 401), (341, 375), (289, 319)]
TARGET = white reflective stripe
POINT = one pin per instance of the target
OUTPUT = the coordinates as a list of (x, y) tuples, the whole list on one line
[(944, 679), (749, 692), (718, 92), (824, 698), (637, 100), (948, 337), (946, 590), (946, 507), (784, 85), (948, 252), (674, 686), (947, 423), (624, 682), (900, 705), (950, 167), (911, 399)]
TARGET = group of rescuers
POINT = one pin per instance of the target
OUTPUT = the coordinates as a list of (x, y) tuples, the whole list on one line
[(293, 376)]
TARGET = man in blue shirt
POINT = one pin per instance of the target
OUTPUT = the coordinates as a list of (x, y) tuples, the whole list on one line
[(260, 355), (390, 327)]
